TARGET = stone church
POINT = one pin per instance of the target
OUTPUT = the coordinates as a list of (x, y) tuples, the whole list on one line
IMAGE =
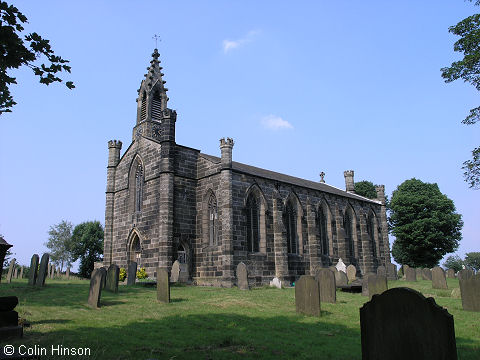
[(167, 202)]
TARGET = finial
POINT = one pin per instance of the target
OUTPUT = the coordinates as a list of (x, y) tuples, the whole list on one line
[(322, 175), (156, 38)]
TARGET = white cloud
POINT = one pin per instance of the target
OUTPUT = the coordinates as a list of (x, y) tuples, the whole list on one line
[(229, 45), (273, 122)]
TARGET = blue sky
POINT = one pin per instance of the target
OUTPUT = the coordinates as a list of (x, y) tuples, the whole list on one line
[(302, 88)]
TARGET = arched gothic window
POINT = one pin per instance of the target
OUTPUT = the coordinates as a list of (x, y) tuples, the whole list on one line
[(322, 224), (135, 250), (143, 109), (157, 106), (253, 224), (347, 225), (291, 226), (138, 188), (212, 220), (371, 233)]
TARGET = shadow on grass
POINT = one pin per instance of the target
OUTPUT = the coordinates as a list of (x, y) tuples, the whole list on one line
[(50, 321), (175, 300)]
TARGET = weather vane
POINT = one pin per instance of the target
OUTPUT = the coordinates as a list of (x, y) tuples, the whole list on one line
[(156, 38)]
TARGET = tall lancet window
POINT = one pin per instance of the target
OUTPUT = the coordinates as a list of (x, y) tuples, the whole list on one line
[(143, 109), (322, 224), (157, 106), (212, 220), (253, 224), (371, 233), (138, 188), (291, 226), (347, 226)]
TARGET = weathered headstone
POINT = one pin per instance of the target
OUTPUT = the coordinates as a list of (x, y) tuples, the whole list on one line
[(132, 273), (377, 284), (418, 329), (15, 273), (405, 268), (470, 290), (104, 277), (439, 281), (464, 274), (9, 327), (112, 278), (95, 292), (276, 282), (341, 278), (351, 273), (451, 274), (419, 272), (341, 266), (11, 269), (42, 273), (427, 274), (365, 283), (175, 272), (381, 271), (326, 280), (391, 271), (183, 273), (163, 286), (32, 274), (307, 296), (68, 273), (21, 272), (410, 274), (242, 276)]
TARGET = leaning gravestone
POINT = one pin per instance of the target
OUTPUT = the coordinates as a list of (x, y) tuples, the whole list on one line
[(418, 329), (427, 274), (465, 274), (32, 274), (410, 274), (163, 286), (95, 292), (11, 269), (377, 284), (242, 276), (439, 281), (307, 296), (131, 273), (351, 273), (276, 282), (341, 278), (326, 281), (175, 272), (341, 266), (451, 274), (42, 273), (391, 272), (112, 278), (470, 290), (381, 271), (365, 283)]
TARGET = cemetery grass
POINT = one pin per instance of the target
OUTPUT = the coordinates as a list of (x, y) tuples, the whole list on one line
[(207, 323)]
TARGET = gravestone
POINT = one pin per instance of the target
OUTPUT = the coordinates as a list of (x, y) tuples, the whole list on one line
[(439, 281), (341, 278), (400, 273), (307, 296), (58, 272), (131, 273), (402, 324), (163, 286), (377, 284), (381, 271), (11, 269), (21, 272), (9, 327), (242, 276), (112, 278), (464, 274), (52, 270), (95, 292), (183, 273), (104, 277), (410, 274), (276, 282), (427, 274), (451, 274), (470, 291), (15, 273), (42, 273), (341, 266), (351, 273), (365, 283), (68, 273), (419, 272), (32, 274), (326, 281), (175, 272), (391, 271)]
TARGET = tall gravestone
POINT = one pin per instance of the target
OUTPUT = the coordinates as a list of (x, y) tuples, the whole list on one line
[(95, 291), (326, 281), (113, 274), (439, 281), (410, 274), (465, 274), (104, 276), (391, 271), (21, 272), (365, 283), (451, 274), (381, 271), (351, 273), (242, 276), (402, 324), (163, 286), (175, 272), (307, 296), (15, 274), (11, 268), (427, 274), (377, 284), (42, 273), (470, 291), (32, 274), (341, 278), (131, 273)]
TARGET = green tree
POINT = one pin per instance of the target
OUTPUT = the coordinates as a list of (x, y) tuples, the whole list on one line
[(454, 262), (424, 223), (472, 260), (87, 244), (366, 189), (59, 238), (18, 49), (468, 69)]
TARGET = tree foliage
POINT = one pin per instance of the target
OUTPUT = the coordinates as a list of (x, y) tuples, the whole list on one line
[(454, 262), (366, 189), (424, 223), (18, 49), (87, 244), (59, 238), (468, 69), (472, 260)]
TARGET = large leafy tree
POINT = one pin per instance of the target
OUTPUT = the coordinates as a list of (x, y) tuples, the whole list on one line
[(18, 49), (59, 238), (87, 244), (365, 188), (424, 223), (454, 262), (472, 260), (468, 69)]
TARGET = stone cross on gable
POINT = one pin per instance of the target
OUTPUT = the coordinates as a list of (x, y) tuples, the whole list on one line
[(322, 175)]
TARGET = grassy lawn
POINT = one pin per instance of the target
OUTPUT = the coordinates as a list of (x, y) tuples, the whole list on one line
[(208, 323)]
